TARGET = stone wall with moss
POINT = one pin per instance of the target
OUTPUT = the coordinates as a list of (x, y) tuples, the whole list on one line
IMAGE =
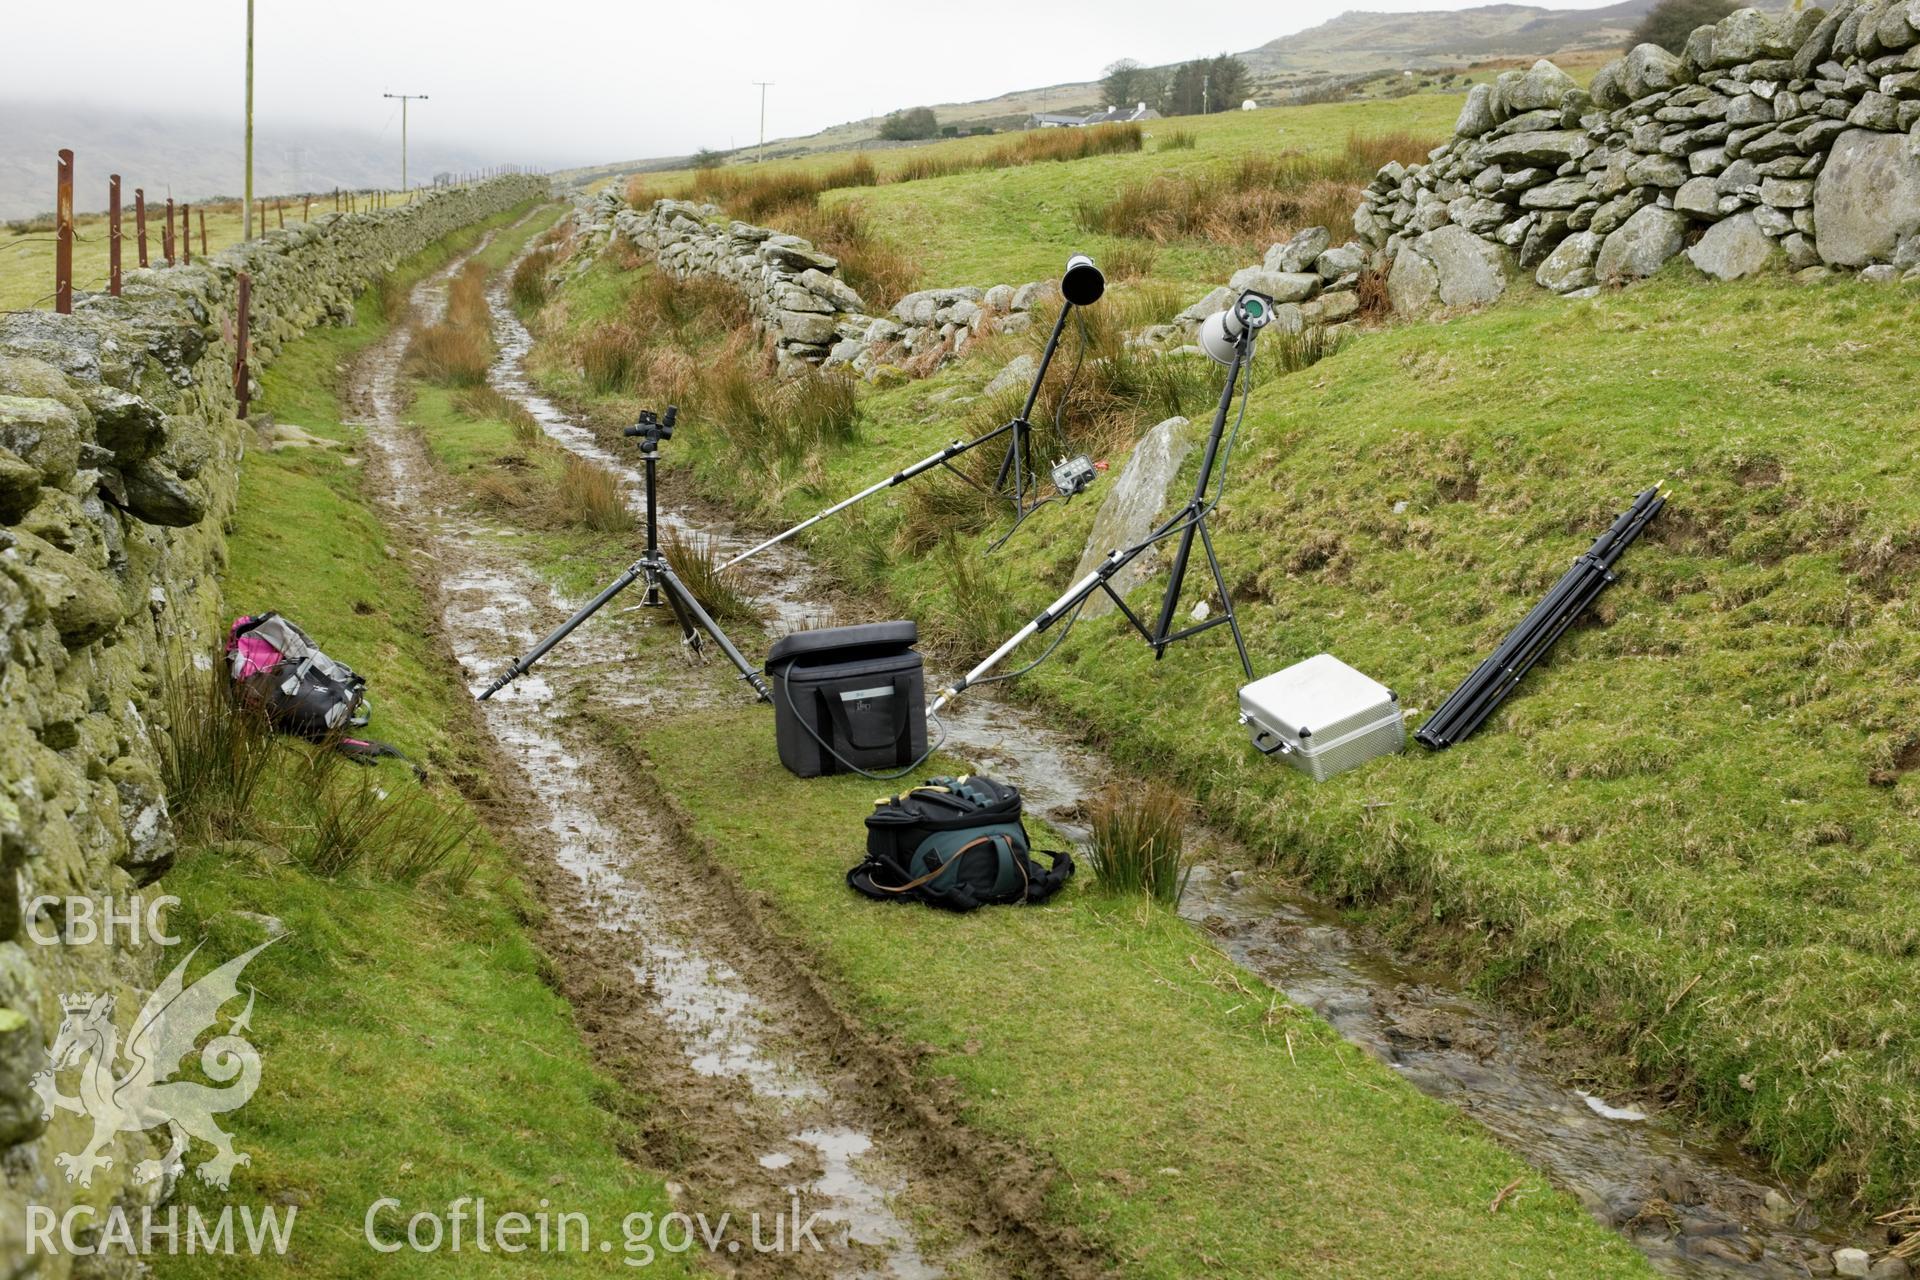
[(120, 457), (1775, 140)]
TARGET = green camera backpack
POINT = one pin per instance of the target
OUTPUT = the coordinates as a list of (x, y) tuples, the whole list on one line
[(957, 844)]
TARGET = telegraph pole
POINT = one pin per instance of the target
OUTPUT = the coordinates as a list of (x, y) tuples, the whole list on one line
[(247, 234), (405, 98), (763, 116)]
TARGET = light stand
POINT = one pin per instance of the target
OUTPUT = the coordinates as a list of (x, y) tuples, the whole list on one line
[(1233, 338), (663, 585), (1081, 286)]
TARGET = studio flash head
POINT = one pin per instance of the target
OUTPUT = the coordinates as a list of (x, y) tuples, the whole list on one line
[(1083, 284), (1220, 333)]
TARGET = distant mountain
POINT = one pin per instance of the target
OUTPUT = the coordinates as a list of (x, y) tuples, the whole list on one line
[(195, 158), (1362, 41)]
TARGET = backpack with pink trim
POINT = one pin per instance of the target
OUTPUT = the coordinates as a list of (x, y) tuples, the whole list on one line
[(275, 668)]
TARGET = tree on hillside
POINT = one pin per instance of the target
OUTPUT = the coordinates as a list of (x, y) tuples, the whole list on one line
[(1669, 23), (708, 158), (1127, 82), (910, 125), (1206, 85)]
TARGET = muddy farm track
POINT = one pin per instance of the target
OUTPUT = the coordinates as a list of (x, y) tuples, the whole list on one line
[(765, 1093)]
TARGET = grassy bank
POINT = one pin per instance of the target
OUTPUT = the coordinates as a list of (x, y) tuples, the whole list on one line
[(411, 1045), (1689, 839)]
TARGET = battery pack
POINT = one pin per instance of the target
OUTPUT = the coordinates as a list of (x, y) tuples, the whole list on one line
[(1322, 717)]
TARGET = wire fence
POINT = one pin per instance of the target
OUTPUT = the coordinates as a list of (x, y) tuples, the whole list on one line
[(164, 234)]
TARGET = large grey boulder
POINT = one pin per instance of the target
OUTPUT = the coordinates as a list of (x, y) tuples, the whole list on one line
[(1649, 69), (1570, 265), (1867, 198), (1734, 248), (1017, 374), (1132, 507), (1747, 34), (1300, 253), (1476, 116), (1609, 87), (1281, 286), (1642, 245), (1539, 146), (1450, 267), (1545, 86)]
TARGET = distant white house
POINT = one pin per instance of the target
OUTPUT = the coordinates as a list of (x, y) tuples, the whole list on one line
[(1110, 115)]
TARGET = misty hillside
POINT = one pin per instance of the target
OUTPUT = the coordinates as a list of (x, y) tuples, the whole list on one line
[(1363, 41), (194, 158)]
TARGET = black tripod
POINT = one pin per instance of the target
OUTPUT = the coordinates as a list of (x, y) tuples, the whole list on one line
[(663, 585), (1189, 522)]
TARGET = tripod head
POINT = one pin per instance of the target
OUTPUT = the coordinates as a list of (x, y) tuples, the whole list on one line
[(652, 430)]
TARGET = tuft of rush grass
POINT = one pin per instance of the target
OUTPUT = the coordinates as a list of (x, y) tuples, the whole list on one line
[(489, 1091), (528, 287), (486, 403), (215, 755), (1176, 140), (1137, 841), (590, 497), (457, 350), (696, 562)]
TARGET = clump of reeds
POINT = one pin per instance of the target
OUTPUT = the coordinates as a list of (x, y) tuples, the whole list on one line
[(697, 564), (590, 497), (1137, 844)]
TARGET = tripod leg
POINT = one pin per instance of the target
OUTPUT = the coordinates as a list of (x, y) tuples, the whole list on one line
[(686, 606), (687, 632), (1226, 600), (1171, 601)]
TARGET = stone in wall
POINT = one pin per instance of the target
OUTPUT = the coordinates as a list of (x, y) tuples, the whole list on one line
[(1801, 129)]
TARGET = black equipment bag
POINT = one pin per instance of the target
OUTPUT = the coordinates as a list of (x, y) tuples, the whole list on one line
[(956, 844), (849, 698)]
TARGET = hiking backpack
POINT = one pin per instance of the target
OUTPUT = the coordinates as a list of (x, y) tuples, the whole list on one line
[(275, 668), (957, 844)]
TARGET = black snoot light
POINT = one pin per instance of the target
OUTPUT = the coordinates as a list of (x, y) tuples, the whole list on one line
[(1083, 284)]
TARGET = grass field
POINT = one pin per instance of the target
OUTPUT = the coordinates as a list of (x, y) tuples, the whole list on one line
[(411, 1044), (1690, 837), (26, 256)]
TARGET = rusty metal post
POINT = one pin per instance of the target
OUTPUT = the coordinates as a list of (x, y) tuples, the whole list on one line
[(203, 233), (63, 234), (113, 234), (240, 374), (186, 236), (140, 221)]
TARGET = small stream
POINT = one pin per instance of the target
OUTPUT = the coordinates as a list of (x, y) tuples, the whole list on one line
[(1694, 1205)]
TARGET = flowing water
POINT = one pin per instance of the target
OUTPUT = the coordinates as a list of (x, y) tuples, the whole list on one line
[(1696, 1206)]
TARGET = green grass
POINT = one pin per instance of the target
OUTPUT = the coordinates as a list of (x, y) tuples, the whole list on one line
[(412, 1047), (1689, 837), (1202, 1124), (1006, 226)]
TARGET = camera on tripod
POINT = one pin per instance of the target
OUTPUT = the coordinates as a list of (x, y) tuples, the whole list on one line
[(653, 428)]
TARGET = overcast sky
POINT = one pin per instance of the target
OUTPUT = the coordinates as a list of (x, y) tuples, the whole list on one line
[(579, 81)]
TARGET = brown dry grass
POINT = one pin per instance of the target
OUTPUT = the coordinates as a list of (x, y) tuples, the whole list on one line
[(458, 349), (696, 563), (590, 497), (1137, 840), (1256, 201)]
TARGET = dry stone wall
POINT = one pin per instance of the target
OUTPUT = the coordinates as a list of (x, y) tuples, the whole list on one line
[(812, 317), (120, 456), (1775, 139)]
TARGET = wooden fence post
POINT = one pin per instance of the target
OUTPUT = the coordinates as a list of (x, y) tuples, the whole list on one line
[(140, 221), (63, 235), (113, 234), (186, 236), (240, 375), (203, 233), (166, 233)]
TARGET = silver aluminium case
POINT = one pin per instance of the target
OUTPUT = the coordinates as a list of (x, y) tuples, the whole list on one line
[(1322, 716)]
